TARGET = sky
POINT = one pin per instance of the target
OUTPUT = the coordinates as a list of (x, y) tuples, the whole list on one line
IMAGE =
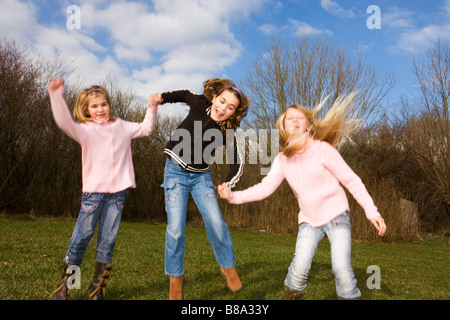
[(163, 45)]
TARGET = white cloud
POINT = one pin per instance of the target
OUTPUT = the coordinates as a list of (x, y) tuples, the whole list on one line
[(123, 52), (268, 29), (419, 38), (201, 57), (447, 6), (335, 9), (411, 31), (17, 19), (148, 46), (295, 27), (396, 18), (302, 28), (168, 25)]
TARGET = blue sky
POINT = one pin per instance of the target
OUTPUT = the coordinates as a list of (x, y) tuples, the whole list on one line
[(160, 45)]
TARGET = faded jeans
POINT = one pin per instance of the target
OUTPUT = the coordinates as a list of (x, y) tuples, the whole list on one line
[(106, 208), (177, 186), (339, 234)]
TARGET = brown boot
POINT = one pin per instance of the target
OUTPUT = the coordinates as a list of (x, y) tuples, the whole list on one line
[(62, 291), (97, 289), (176, 288), (231, 276), (290, 294)]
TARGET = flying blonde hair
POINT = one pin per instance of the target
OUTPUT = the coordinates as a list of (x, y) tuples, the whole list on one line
[(338, 123), (80, 111)]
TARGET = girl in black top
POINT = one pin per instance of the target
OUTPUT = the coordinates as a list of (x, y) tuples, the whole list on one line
[(221, 106)]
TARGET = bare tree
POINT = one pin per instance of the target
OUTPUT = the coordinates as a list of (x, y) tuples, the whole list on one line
[(17, 87), (40, 166), (304, 72), (428, 134), (28, 134)]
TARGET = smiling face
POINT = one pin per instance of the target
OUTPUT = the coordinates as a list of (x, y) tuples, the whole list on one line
[(224, 106), (295, 122), (98, 108)]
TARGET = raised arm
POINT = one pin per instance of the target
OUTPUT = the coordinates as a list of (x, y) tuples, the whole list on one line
[(147, 126), (61, 112)]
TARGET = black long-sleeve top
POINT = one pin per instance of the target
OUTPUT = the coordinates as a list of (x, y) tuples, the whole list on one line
[(193, 143)]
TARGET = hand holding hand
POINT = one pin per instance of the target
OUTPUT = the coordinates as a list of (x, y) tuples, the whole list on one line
[(154, 99), (225, 192)]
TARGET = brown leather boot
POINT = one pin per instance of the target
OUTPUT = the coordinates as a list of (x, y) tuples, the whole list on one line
[(231, 276), (97, 289), (290, 294), (62, 291), (176, 288)]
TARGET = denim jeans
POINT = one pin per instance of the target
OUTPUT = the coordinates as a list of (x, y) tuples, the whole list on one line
[(177, 186), (106, 207), (339, 234)]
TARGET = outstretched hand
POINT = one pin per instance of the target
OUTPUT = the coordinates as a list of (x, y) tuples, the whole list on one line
[(55, 85), (225, 192), (379, 223)]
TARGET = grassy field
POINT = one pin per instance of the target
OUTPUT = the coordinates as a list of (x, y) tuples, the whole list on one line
[(31, 252)]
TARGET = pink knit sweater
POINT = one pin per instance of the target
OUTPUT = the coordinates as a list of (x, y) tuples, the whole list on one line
[(107, 166), (315, 176)]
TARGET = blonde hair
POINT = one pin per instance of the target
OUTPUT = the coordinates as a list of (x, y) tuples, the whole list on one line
[(80, 111), (214, 87), (338, 123)]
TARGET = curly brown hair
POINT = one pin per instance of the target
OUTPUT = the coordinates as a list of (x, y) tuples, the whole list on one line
[(214, 87)]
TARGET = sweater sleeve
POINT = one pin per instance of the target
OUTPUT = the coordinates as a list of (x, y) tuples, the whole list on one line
[(351, 181), (236, 167), (144, 128), (62, 115), (263, 189), (183, 96)]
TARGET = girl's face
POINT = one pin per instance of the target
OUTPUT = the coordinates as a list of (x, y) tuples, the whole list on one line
[(98, 108), (295, 122), (224, 106)]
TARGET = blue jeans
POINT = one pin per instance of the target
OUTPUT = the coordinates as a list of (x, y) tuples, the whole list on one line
[(338, 232), (177, 186), (106, 207)]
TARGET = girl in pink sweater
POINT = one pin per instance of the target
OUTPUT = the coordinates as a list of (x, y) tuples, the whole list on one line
[(107, 171), (316, 173)]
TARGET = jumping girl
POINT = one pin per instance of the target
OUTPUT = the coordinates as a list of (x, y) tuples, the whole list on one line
[(315, 171), (221, 106), (107, 171)]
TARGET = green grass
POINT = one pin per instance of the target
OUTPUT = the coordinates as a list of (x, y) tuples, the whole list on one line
[(31, 252)]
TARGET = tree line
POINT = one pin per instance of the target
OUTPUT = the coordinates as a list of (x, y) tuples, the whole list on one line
[(402, 156)]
